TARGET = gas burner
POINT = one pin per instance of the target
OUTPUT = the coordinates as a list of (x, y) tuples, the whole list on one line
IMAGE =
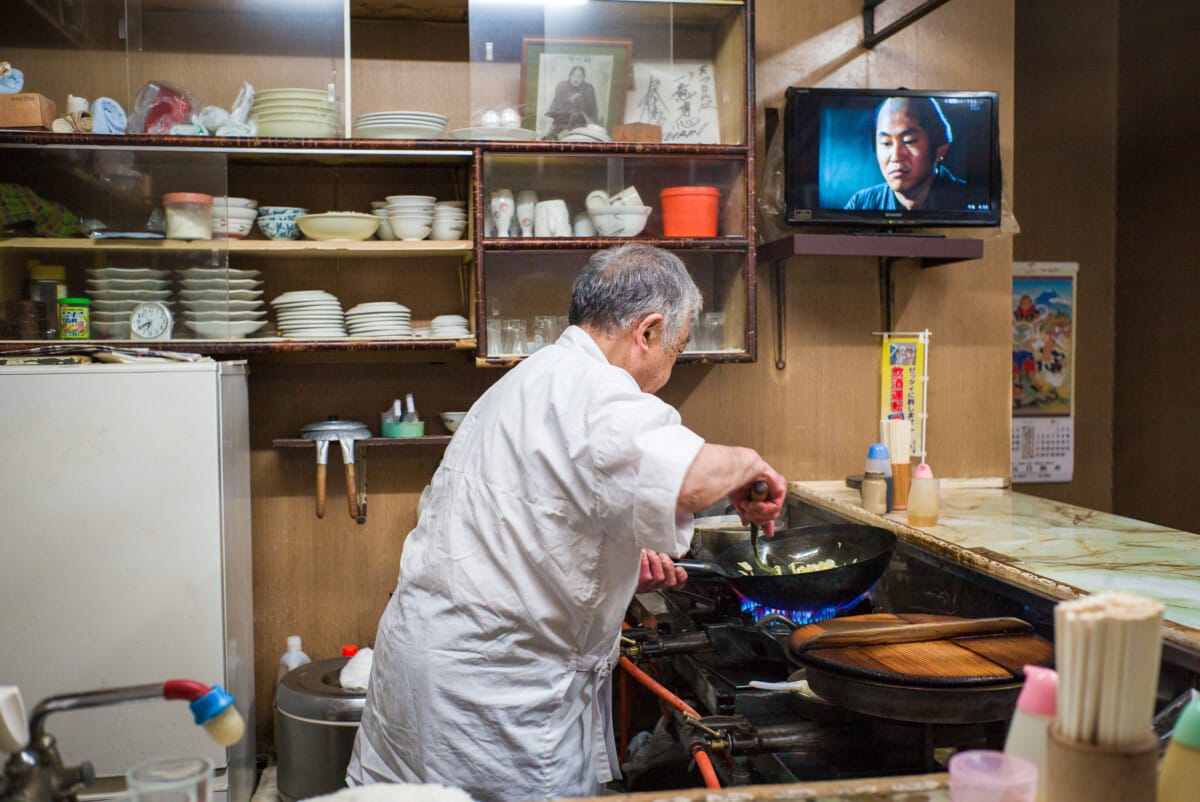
[(757, 612)]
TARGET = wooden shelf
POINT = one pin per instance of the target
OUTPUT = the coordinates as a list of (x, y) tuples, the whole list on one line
[(689, 358), (493, 244), (261, 247), (931, 250), (262, 345), (427, 440)]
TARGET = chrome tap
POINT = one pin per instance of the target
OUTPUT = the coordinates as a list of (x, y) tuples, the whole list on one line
[(35, 773)]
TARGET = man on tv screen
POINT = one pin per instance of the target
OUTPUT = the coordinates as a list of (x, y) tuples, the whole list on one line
[(912, 138)]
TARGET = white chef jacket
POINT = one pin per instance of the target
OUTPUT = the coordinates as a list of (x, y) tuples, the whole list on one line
[(493, 658)]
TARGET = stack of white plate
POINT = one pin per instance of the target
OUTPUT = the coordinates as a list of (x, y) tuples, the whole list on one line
[(588, 133), (448, 327), (295, 113), (309, 314), (221, 304), (400, 125), (380, 320), (115, 291)]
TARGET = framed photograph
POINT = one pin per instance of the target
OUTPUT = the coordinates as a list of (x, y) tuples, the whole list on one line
[(570, 83)]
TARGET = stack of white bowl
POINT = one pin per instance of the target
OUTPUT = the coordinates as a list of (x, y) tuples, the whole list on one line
[(309, 314), (449, 220), (221, 303), (448, 327), (115, 291), (587, 133), (232, 218), (380, 320), (400, 125), (295, 113), (410, 216)]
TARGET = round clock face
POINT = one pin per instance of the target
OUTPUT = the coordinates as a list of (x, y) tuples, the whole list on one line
[(150, 321)]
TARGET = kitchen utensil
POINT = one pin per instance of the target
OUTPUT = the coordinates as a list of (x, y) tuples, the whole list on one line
[(345, 433), (909, 633), (945, 681), (758, 492), (859, 553)]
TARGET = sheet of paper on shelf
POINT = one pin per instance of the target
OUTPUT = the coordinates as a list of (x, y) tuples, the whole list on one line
[(680, 96)]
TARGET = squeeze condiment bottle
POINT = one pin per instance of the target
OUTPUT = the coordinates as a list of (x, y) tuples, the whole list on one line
[(878, 459), (1179, 774), (1031, 721), (923, 497)]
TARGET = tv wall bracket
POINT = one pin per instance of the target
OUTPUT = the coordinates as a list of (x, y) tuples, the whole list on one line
[(872, 37)]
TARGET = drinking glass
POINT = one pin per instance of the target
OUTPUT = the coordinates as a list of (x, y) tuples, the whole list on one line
[(712, 332), (513, 336), (171, 779), (544, 330)]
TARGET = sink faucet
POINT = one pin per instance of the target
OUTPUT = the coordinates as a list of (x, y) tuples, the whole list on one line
[(35, 773)]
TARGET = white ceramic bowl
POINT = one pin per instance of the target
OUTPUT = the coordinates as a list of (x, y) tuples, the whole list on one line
[(452, 420), (297, 129), (619, 221), (447, 229), (385, 228), (410, 229), (225, 200), (234, 212), (223, 227), (353, 226)]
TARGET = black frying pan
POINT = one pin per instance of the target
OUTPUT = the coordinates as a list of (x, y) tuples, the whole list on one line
[(860, 554)]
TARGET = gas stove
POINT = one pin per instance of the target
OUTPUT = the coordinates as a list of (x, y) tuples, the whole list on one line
[(722, 656)]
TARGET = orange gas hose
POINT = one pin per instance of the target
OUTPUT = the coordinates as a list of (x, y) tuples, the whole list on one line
[(703, 761)]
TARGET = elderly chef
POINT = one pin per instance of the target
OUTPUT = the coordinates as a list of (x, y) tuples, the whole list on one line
[(563, 491)]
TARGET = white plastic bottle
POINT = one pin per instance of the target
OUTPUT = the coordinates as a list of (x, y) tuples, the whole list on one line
[(1031, 721), (294, 657), (1179, 774)]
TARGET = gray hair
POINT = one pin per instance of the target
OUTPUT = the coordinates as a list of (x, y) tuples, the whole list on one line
[(622, 285)]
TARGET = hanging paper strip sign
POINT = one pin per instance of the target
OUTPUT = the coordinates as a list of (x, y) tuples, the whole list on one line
[(905, 376)]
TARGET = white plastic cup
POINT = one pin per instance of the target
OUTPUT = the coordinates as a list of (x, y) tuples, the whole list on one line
[(172, 779)]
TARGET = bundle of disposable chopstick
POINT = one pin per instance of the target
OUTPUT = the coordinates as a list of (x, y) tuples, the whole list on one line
[(1107, 651)]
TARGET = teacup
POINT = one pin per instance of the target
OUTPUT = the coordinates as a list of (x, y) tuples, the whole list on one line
[(627, 197)]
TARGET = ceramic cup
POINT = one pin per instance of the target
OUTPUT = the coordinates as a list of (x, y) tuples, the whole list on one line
[(502, 211), (526, 201), (558, 218), (597, 199), (583, 226), (627, 197)]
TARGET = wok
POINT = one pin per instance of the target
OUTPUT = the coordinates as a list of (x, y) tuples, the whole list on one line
[(860, 555)]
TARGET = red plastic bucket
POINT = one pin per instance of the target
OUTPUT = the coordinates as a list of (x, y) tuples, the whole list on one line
[(690, 211)]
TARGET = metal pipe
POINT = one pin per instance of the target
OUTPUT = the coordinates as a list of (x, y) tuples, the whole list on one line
[(86, 699)]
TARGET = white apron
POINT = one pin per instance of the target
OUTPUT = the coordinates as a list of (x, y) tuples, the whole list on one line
[(493, 659)]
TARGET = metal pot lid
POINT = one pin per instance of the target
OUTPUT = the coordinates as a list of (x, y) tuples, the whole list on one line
[(340, 426), (313, 691)]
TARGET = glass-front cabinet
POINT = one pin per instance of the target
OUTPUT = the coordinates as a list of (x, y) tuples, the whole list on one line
[(490, 146)]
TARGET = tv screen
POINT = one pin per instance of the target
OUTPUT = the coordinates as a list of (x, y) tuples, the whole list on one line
[(895, 158)]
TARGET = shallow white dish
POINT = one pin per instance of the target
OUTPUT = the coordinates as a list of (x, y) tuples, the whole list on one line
[(130, 295), (231, 314), (187, 296), (398, 131), (338, 226), (297, 129), (224, 329), (218, 273), (220, 283), (128, 273), (128, 284), (216, 306), (302, 295)]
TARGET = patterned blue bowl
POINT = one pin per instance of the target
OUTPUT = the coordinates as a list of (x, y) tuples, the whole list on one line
[(278, 227)]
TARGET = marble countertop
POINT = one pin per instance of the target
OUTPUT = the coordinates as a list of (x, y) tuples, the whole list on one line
[(1055, 549)]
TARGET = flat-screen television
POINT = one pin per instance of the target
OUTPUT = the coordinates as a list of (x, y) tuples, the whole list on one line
[(891, 158)]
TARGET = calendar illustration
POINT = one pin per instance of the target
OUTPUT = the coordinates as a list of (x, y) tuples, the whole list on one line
[(1043, 449), (1043, 371)]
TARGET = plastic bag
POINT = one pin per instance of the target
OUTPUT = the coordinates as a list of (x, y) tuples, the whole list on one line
[(771, 190), (158, 107)]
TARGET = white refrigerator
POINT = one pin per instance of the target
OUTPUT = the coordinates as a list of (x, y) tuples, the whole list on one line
[(125, 552)]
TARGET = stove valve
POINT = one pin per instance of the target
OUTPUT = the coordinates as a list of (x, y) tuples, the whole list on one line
[(717, 733)]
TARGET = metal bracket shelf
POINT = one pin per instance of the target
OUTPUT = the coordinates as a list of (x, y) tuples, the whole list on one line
[(871, 37)]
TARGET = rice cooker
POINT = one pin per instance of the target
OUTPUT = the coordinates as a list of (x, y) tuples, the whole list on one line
[(316, 721)]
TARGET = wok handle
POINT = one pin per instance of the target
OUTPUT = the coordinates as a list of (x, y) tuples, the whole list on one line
[(758, 491), (702, 569), (351, 490), (321, 490), (912, 633)]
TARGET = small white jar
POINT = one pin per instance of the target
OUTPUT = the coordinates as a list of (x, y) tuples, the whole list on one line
[(189, 215)]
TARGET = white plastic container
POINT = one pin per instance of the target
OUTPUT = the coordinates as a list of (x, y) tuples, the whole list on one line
[(1031, 721), (294, 657), (189, 215)]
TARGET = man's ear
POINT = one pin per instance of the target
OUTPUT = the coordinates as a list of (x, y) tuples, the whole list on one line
[(942, 150), (648, 330)]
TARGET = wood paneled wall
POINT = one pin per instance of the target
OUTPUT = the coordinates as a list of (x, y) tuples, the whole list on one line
[(1066, 176), (327, 580)]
